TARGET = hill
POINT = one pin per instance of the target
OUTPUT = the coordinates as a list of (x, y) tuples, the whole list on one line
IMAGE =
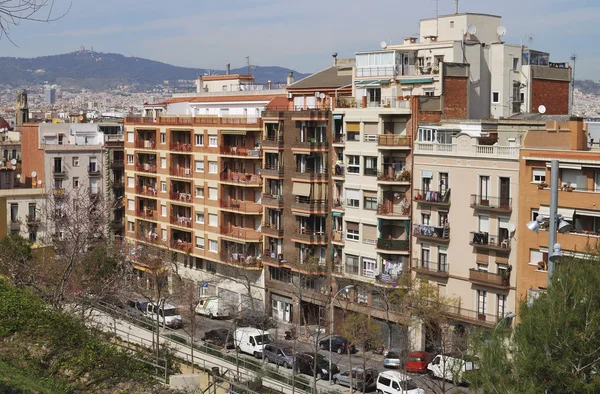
[(101, 71)]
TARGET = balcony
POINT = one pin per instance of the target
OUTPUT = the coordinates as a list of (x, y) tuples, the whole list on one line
[(462, 314), (180, 171), (272, 258), (241, 233), (183, 246), (313, 174), (242, 179), (181, 197), (146, 190), (275, 142), (117, 164), (312, 206), (146, 167), (150, 237), (338, 139), (489, 242), (438, 270), (32, 220), (147, 213), (310, 144), (432, 233), (58, 172), (390, 210), (145, 144), (486, 203), (392, 245), (181, 221), (388, 279), (58, 192), (441, 199), (93, 170), (337, 236), (242, 260), (183, 147), (388, 175), (117, 184), (392, 141), (487, 151), (210, 120), (272, 230), (241, 206), (273, 170), (15, 225), (310, 237), (351, 269), (489, 279), (237, 151), (272, 200), (338, 203), (338, 170)]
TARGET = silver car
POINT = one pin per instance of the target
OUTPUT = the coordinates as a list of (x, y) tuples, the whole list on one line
[(368, 378), (278, 355), (393, 359)]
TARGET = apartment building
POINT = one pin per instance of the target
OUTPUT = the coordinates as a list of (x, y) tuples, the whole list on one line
[(566, 140), (194, 184), (114, 180)]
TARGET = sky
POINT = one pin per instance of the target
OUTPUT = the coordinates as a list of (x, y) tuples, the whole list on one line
[(300, 35)]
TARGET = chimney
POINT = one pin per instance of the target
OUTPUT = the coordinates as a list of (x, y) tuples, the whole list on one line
[(334, 55), (290, 78), (228, 69)]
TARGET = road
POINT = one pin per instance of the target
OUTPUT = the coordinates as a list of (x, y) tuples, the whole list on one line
[(375, 361)]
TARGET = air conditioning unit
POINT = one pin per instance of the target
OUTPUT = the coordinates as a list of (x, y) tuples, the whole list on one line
[(290, 95), (317, 94)]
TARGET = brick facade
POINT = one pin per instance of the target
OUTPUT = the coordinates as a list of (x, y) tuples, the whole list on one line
[(554, 95), (33, 156), (456, 97)]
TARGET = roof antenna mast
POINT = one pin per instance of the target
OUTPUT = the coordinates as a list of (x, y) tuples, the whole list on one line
[(456, 7)]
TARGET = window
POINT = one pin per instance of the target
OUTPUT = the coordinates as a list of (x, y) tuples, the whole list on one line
[(213, 167), (163, 210), (163, 138), (200, 192), (495, 97), (451, 24), (538, 259), (515, 63), (370, 203), (130, 226), (163, 234), (212, 193), (362, 295), (14, 212), (443, 216), (444, 182), (163, 162), (370, 166), (501, 306), (200, 218), (481, 303), (129, 159), (425, 219), (539, 175), (199, 139), (131, 205), (484, 190), (522, 94), (213, 246), (369, 267), (130, 182), (199, 165), (213, 220), (353, 164), (426, 181), (353, 198), (200, 242), (163, 187), (212, 140), (352, 233), (76, 162), (130, 137), (429, 92), (76, 182)]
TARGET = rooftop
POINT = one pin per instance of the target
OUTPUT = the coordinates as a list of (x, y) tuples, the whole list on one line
[(332, 77)]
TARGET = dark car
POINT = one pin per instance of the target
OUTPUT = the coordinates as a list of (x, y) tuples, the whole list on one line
[(360, 378), (221, 337), (255, 319), (338, 344), (305, 363)]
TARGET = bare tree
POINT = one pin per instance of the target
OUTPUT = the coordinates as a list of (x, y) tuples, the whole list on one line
[(13, 12), (188, 297)]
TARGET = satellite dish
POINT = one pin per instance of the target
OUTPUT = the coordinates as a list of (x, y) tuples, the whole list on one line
[(39, 182), (501, 30), (383, 44), (542, 109), (13, 161), (322, 96), (511, 228), (33, 174), (471, 29), (18, 176)]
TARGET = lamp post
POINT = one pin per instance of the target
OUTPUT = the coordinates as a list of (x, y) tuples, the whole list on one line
[(343, 289)]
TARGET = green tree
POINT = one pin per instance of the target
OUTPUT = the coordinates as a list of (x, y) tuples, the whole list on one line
[(556, 347)]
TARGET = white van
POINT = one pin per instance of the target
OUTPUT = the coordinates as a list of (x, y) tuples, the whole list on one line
[(451, 368), (394, 382), (169, 315), (251, 340), (212, 307)]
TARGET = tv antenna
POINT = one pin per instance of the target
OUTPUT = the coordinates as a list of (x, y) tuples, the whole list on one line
[(251, 68)]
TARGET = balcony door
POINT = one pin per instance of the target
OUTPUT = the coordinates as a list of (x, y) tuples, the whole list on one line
[(481, 304), (484, 190), (504, 192)]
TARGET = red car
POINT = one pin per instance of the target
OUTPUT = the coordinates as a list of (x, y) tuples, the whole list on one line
[(417, 361)]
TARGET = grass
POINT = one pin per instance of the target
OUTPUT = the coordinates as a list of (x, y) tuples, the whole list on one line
[(14, 380)]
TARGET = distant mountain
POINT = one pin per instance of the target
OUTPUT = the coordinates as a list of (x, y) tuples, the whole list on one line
[(587, 86), (101, 71)]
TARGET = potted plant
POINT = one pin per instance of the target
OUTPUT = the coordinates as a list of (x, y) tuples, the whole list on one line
[(505, 274), (405, 175), (542, 185)]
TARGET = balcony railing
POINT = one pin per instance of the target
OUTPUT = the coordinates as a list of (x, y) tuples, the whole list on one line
[(184, 246), (351, 269), (180, 171), (492, 151), (311, 173), (93, 169), (272, 229), (58, 192), (433, 233), (389, 279), (337, 236), (117, 164), (310, 236), (272, 142), (242, 233), (486, 241), (146, 190), (273, 258), (241, 206), (241, 178), (392, 140), (206, 120), (181, 221), (240, 151), (388, 209), (242, 260), (338, 139), (32, 220), (272, 200), (491, 203), (387, 174), (58, 172), (488, 278), (182, 197), (425, 267), (338, 203), (145, 144), (117, 184), (393, 245), (432, 197), (146, 213), (181, 146), (273, 170), (146, 167), (310, 205), (460, 313), (151, 236), (310, 143)]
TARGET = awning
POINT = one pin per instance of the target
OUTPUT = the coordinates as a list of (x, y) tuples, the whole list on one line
[(567, 213), (585, 212), (301, 189), (375, 82), (234, 132), (426, 174), (303, 214), (338, 116), (411, 81), (353, 127), (336, 214)]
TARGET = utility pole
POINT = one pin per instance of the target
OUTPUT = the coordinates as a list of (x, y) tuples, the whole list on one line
[(573, 59), (553, 209)]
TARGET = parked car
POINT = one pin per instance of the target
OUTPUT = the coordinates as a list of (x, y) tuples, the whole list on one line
[(418, 361), (136, 307), (219, 337), (279, 355), (168, 315), (393, 359), (360, 378), (394, 382), (452, 368), (305, 362), (255, 319), (338, 344)]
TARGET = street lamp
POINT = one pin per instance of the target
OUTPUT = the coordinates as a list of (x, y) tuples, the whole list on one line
[(343, 289)]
